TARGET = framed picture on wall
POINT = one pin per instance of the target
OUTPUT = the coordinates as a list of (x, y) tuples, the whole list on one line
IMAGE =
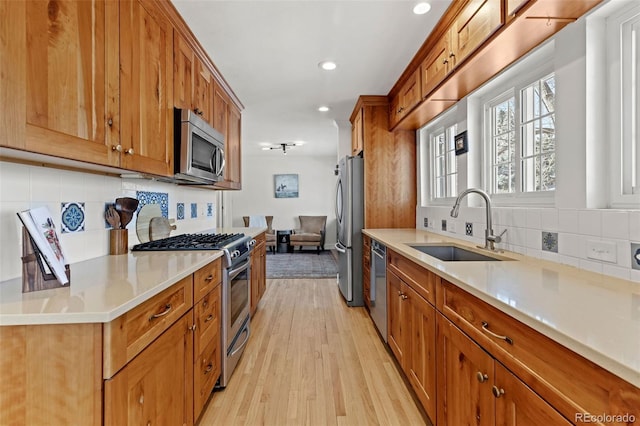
[(286, 186), (461, 143)]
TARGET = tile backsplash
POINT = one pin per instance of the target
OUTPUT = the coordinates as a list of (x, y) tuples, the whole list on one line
[(557, 235), (77, 202)]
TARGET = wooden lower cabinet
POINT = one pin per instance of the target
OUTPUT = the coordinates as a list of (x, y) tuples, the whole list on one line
[(412, 337), (258, 272), (366, 271), (156, 386), (474, 388)]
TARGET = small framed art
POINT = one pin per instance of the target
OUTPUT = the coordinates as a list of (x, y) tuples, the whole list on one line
[(461, 143)]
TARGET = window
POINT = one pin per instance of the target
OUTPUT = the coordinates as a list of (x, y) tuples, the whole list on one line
[(624, 53), (521, 139), (443, 163)]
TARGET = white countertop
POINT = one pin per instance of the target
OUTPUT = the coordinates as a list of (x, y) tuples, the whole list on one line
[(106, 287), (594, 315)]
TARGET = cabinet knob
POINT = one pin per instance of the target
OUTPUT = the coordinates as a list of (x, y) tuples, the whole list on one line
[(452, 55), (192, 327), (482, 377), (130, 151), (209, 318), (209, 278), (497, 392), (444, 61), (110, 122), (208, 369), (404, 297), (116, 148)]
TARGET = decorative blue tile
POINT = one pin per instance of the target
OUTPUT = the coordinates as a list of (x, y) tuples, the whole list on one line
[(72, 217), (550, 241), (106, 207), (194, 210), (209, 209), (162, 198), (180, 211)]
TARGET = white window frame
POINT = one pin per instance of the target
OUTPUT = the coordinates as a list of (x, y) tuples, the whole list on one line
[(623, 76), (426, 164), (531, 71)]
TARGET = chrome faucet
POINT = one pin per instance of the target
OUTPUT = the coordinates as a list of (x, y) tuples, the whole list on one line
[(489, 238)]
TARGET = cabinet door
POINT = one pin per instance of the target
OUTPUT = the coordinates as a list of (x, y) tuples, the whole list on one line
[(410, 94), (59, 79), (395, 318), (233, 152), (465, 374), (436, 66), (518, 405), (255, 287), (357, 143), (477, 21), (421, 341), (203, 91), (220, 109), (146, 64), (183, 71), (156, 387)]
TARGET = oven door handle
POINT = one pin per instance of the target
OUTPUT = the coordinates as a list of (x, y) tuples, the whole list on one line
[(244, 266), (244, 343)]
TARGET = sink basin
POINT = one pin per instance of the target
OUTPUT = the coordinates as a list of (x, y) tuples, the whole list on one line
[(453, 253)]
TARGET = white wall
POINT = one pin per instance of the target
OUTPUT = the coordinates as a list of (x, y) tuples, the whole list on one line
[(24, 186), (316, 183)]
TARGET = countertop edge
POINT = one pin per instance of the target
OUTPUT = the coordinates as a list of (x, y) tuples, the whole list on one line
[(625, 372)]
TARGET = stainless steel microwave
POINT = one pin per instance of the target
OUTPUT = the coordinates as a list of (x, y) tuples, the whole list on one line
[(199, 149)]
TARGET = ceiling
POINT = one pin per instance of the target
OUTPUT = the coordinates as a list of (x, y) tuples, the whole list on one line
[(269, 51)]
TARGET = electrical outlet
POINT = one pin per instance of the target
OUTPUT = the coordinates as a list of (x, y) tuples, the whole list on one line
[(451, 226), (468, 229), (602, 250), (444, 224), (426, 222), (635, 255)]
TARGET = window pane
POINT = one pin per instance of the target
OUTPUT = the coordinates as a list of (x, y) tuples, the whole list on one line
[(548, 88), (502, 149), (548, 170), (440, 148), (548, 134), (440, 170), (503, 117)]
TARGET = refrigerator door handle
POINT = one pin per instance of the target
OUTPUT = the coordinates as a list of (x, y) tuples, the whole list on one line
[(340, 247)]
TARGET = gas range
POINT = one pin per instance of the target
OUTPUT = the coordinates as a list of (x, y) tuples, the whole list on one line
[(236, 246)]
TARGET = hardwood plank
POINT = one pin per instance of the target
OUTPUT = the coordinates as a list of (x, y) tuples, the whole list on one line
[(312, 360)]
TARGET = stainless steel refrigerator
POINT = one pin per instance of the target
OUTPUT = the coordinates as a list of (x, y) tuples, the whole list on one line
[(350, 218)]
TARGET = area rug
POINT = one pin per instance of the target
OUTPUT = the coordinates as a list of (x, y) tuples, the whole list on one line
[(301, 265)]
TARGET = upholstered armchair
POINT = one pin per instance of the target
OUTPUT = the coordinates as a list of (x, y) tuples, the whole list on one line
[(311, 233), (270, 235)]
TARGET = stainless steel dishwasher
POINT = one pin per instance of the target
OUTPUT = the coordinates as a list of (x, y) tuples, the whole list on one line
[(378, 296)]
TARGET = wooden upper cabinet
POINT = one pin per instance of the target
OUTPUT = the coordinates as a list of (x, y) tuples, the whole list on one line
[(146, 64), (59, 80), (408, 97), (477, 21), (437, 65), (513, 6), (357, 142), (227, 120), (220, 109), (192, 80)]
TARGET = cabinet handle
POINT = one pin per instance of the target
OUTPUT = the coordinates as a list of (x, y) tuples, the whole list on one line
[(209, 278), (444, 61), (482, 377), (404, 297), (497, 392), (110, 122), (130, 151), (210, 367), (400, 110), (485, 327), (452, 55), (167, 309), (192, 327), (116, 148), (209, 318)]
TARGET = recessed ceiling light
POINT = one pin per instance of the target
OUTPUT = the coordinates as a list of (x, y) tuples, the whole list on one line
[(328, 65), (323, 108), (421, 8)]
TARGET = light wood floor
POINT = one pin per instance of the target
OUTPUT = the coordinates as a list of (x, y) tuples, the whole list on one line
[(311, 360)]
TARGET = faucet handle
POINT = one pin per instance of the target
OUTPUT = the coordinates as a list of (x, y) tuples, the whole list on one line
[(498, 238)]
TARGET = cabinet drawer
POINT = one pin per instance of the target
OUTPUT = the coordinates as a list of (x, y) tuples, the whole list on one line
[(207, 313), (206, 278), (569, 382), (419, 278), (130, 333), (205, 374)]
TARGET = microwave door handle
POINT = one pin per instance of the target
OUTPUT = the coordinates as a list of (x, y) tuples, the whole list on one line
[(223, 162)]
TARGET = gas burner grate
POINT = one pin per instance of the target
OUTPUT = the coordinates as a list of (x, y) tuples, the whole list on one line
[(189, 242)]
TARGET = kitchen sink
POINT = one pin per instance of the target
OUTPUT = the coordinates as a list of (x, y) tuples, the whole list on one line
[(450, 253)]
